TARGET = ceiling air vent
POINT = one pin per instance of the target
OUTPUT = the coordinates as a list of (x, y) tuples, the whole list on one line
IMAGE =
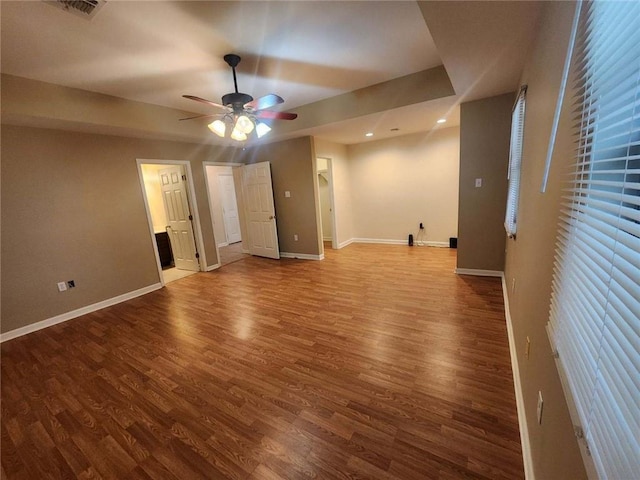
[(81, 8)]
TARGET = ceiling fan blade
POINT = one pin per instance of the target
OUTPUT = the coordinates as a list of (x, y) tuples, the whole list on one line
[(267, 101), (202, 100), (200, 116), (269, 115)]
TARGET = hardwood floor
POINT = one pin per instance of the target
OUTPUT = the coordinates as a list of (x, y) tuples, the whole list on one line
[(376, 363), (231, 253)]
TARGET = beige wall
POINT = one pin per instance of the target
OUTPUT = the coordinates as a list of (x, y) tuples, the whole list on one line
[(400, 182), (342, 208), (485, 129), (292, 169), (417, 87), (34, 103), (73, 208), (39, 104), (530, 256)]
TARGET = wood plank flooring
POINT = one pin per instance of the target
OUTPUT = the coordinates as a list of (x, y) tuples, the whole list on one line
[(231, 253), (376, 363)]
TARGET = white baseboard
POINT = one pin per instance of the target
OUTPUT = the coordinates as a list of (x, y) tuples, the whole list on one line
[(34, 327), (212, 267), (345, 243), (522, 418), (386, 241), (382, 241), (327, 239), (246, 251), (223, 244), (302, 256), (435, 244), (479, 273)]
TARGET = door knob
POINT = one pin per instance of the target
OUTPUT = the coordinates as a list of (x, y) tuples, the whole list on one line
[(271, 217)]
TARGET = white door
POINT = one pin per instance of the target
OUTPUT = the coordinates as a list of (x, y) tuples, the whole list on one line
[(229, 208), (179, 226), (260, 210)]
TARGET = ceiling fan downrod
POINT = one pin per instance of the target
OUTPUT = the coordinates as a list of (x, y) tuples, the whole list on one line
[(233, 60), (237, 100)]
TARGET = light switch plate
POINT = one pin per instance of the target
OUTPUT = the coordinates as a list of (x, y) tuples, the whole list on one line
[(287, 193), (478, 182)]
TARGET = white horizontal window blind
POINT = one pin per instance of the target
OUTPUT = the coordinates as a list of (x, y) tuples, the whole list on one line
[(595, 308), (515, 162)]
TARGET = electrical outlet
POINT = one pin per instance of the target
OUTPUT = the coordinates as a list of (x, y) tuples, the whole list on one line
[(71, 283), (295, 237), (540, 404), (527, 348), (478, 182), (62, 286), (287, 194)]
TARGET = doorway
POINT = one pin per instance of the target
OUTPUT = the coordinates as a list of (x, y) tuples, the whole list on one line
[(242, 210), (324, 177), (225, 195), (172, 216), (223, 204)]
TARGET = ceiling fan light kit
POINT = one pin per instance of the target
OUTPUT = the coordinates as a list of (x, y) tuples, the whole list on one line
[(262, 129), (238, 135), (218, 127), (244, 124), (242, 111)]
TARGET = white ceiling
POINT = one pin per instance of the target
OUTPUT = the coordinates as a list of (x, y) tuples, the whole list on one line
[(156, 51)]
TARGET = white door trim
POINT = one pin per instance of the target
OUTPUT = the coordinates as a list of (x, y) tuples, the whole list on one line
[(222, 164), (193, 207)]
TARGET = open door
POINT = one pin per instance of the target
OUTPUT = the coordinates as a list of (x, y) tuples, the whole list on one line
[(179, 227), (260, 210), (229, 208)]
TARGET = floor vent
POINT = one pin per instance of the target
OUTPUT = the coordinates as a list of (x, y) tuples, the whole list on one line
[(81, 8)]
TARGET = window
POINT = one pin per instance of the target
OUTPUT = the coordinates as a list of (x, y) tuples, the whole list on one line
[(594, 322), (515, 162)]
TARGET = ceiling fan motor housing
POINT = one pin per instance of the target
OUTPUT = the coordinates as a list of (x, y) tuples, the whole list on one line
[(236, 101)]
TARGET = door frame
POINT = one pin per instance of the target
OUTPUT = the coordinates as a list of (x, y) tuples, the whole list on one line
[(332, 202), (193, 210), (206, 182)]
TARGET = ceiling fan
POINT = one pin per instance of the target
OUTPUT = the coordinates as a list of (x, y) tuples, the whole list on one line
[(241, 111)]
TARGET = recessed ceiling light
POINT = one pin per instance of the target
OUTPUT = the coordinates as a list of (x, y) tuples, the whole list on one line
[(369, 134), (442, 120)]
